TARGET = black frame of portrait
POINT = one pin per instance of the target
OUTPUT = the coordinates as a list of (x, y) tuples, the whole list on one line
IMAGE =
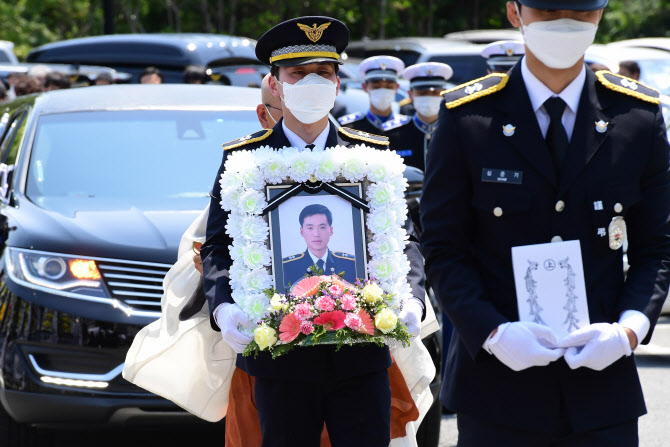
[(352, 192)]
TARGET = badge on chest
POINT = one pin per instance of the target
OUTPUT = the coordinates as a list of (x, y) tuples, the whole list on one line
[(502, 176)]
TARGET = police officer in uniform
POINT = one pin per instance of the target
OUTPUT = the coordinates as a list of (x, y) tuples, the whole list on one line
[(585, 157), (410, 139), (299, 391), (381, 83), (316, 227), (502, 55)]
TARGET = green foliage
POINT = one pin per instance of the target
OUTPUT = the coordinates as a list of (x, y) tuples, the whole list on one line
[(30, 23)]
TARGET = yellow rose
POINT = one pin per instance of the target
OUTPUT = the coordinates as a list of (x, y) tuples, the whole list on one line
[(265, 336), (386, 320), (372, 293), (276, 303)]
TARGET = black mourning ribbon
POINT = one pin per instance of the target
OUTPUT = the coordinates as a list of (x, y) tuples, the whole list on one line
[(557, 137)]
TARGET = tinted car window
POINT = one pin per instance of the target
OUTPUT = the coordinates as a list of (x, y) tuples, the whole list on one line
[(466, 68), (10, 145), (153, 160)]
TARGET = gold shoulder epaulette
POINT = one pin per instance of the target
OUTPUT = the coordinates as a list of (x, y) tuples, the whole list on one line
[(628, 86), (293, 258), (472, 90), (363, 136), (256, 136), (342, 255), (405, 101)]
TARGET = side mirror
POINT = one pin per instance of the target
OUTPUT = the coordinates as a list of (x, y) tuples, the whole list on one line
[(6, 172)]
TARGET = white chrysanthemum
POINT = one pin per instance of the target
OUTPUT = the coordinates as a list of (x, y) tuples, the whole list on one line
[(380, 195), (381, 220), (234, 225), (238, 274), (328, 168), (400, 234), (256, 306), (239, 296), (399, 207), (258, 280), (395, 162), (303, 166), (289, 154), (274, 168), (353, 168), (262, 154), (230, 179), (239, 161), (382, 269), (399, 183), (253, 179), (378, 171), (403, 291), (383, 245), (252, 202), (256, 255), (236, 250), (230, 197), (254, 228)]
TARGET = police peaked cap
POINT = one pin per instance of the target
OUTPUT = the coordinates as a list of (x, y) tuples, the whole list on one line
[(574, 5), (303, 40)]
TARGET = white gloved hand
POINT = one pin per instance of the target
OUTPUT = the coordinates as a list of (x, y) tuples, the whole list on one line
[(521, 344), (230, 317), (410, 316), (596, 346)]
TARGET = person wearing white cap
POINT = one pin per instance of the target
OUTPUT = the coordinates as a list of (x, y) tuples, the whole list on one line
[(502, 55), (380, 74), (410, 139)]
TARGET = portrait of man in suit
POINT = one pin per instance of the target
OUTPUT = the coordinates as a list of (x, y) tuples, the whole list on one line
[(316, 228)]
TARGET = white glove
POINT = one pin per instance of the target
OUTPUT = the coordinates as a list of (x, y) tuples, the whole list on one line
[(230, 317), (410, 316), (596, 346), (521, 344)]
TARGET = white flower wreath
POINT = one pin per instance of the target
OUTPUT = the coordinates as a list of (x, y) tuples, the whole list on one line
[(243, 185)]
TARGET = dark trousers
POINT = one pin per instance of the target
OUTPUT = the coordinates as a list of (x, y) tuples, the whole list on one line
[(356, 411), (476, 433)]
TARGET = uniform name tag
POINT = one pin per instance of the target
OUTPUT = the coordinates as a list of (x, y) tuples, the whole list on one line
[(502, 176)]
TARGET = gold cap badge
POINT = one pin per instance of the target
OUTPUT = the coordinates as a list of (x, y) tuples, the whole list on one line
[(314, 33)]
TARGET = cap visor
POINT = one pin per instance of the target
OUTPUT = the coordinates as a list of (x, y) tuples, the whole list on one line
[(304, 61)]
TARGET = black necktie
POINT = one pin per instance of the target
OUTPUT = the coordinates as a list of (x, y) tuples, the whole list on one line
[(309, 146), (557, 138), (320, 265)]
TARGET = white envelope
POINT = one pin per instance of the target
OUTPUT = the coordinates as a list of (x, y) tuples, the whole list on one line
[(550, 290)]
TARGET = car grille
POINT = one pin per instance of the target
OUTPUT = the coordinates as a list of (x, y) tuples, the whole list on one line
[(138, 284)]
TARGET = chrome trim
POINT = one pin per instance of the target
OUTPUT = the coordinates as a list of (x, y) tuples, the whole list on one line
[(136, 286), (139, 278), (144, 303), (148, 295), (111, 375), (128, 269)]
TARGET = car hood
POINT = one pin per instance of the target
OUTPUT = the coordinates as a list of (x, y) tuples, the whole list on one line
[(131, 233)]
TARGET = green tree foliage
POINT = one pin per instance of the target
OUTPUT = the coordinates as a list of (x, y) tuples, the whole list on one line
[(30, 23)]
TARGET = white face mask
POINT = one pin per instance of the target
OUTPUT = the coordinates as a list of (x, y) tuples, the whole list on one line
[(269, 114), (382, 98), (427, 105), (558, 43), (311, 98)]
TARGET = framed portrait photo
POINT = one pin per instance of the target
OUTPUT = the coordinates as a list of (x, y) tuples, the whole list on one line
[(316, 232)]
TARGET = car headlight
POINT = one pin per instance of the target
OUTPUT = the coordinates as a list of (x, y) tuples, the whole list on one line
[(60, 273)]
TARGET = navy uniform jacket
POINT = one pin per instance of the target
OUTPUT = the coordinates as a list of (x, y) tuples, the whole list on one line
[(311, 363), (368, 122), (296, 266), (410, 140), (467, 247)]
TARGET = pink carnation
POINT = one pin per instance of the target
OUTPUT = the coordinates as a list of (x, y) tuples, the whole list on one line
[(353, 321), (335, 289), (306, 327), (303, 311), (325, 303), (348, 301)]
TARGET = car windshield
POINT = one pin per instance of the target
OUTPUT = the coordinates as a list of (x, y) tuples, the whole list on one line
[(151, 160), (656, 73)]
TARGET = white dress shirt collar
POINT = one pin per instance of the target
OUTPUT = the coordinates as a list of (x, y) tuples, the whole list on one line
[(324, 258), (539, 93), (296, 141)]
